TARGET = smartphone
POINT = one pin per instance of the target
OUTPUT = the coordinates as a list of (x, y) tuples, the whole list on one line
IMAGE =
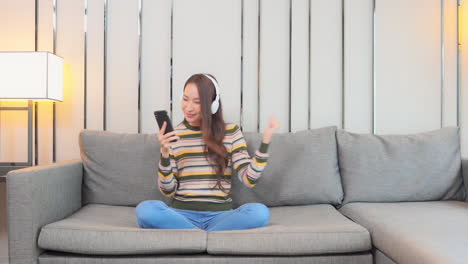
[(162, 116)]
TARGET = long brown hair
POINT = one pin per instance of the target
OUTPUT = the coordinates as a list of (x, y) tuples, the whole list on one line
[(213, 126)]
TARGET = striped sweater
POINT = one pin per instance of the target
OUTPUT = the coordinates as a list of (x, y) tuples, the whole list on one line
[(189, 177)]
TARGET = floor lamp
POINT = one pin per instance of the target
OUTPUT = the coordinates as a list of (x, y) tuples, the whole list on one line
[(29, 76)]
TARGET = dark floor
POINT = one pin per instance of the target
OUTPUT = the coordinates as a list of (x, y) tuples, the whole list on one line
[(3, 225)]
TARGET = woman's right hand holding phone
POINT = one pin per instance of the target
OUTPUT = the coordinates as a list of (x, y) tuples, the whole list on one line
[(164, 140)]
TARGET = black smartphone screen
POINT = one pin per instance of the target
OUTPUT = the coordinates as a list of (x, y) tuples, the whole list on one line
[(162, 116)]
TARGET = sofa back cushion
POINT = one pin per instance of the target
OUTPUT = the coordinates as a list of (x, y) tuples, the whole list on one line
[(302, 169), (396, 168), (119, 169)]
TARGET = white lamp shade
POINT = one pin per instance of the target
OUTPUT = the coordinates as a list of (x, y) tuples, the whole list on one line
[(31, 76)]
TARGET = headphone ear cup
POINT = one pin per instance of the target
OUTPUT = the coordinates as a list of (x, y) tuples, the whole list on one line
[(214, 106)]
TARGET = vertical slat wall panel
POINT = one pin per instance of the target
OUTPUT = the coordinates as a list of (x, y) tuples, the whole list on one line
[(415, 80), (274, 62), (358, 99), (45, 26), (250, 58), (122, 66), (95, 65), (326, 63), (464, 79), (207, 38), (17, 25), (17, 33), (70, 46), (450, 92), (45, 42), (155, 61), (300, 64), (408, 66)]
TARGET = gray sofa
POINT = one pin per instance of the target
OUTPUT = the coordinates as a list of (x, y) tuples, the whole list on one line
[(334, 197)]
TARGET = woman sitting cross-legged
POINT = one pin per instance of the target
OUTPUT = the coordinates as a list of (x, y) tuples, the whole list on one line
[(196, 169)]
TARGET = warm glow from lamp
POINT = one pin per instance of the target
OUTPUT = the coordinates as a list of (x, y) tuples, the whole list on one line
[(460, 26), (31, 76)]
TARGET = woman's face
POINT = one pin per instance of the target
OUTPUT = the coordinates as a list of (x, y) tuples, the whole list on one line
[(191, 105)]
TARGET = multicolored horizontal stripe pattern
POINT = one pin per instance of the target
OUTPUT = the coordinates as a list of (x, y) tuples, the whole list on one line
[(189, 177)]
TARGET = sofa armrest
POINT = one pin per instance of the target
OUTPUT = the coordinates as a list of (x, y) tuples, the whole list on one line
[(38, 196)]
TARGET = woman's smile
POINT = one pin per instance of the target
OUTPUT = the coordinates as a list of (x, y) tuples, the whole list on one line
[(190, 116)]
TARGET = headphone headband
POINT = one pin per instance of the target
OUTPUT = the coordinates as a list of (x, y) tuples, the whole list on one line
[(215, 103)]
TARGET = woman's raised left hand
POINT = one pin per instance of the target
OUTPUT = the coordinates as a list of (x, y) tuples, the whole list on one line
[(272, 127)]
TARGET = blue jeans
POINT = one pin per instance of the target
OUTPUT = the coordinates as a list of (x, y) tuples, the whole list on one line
[(156, 214)]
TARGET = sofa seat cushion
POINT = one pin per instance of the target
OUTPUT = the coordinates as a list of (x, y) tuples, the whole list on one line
[(294, 230), (113, 230), (416, 232)]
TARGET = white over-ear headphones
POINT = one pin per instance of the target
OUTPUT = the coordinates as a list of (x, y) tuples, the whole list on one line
[(215, 103)]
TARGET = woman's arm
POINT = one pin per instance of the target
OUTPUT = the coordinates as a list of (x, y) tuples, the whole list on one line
[(167, 173), (271, 128), (167, 169), (248, 169)]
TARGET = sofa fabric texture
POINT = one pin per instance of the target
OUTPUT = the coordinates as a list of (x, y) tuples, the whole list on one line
[(302, 169), (417, 232), (293, 230), (401, 199), (57, 258), (395, 168), (464, 169), (119, 168), (381, 258), (113, 230), (37, 196)]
